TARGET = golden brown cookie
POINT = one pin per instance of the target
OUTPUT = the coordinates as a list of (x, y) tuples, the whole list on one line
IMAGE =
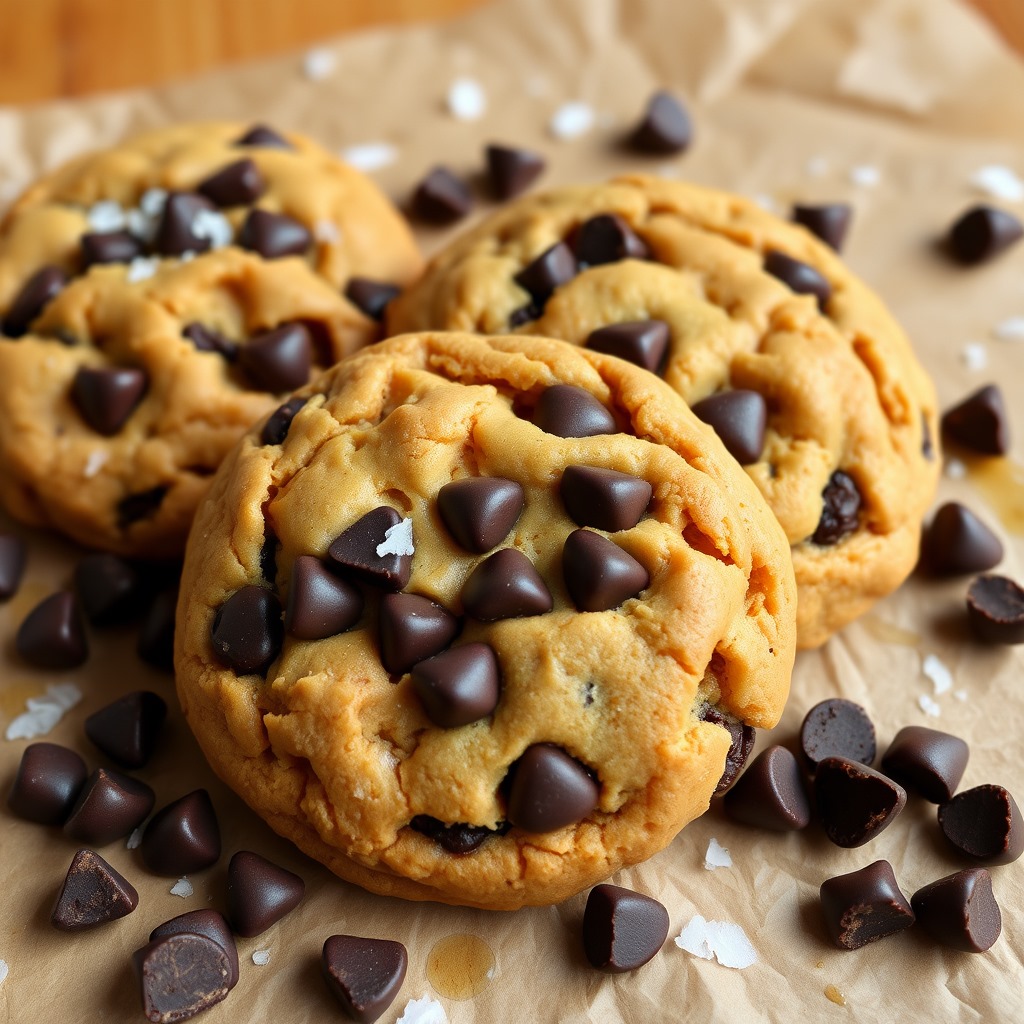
[(517, 608), (757, 324)]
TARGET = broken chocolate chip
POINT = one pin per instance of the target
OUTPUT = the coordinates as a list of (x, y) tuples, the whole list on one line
[(604, 498), (175, 233), (926, 761), (665, 127), (412, 628), (549, 789), (365, 975), (598, 574), (441, 198), (770, 793), (854, 801), (278, 360), (569, 411), (260, 893), (505, 586), (109, 247), (135, 507), (995, 610), (837, 728), (237, 184), (479, 511), (741, 745), (106, 397), (182, 837), (13, 555), (354, 551), (511, 171), (957, 542), (210, 923), (864, 906), (320, 604), (981, 233), (459, 838), (47, 783), (960, 911), (984, 824), (800, 277), (275, 430), (181, 975), (979, 422), (274, 235), (642, 342), (127, 729), (840, 511), (93, 893), (109, 806), (554, 267), (53, 635), (371, 297), (247, 632), (458, 686), (622, 929), (829, 221), (36, 293), (608, 238), (738, 418)]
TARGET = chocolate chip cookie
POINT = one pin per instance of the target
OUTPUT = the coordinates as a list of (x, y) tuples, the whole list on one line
[(808, 380), (480, 620)]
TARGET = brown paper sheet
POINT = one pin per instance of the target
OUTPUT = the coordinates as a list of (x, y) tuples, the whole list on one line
[(788, 98)]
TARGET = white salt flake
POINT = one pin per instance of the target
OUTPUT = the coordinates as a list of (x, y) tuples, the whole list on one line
[(141, 225), (571, 120), (1010, 329), (397, 540), (182, 887), (212, 224), (326, 231), (423, 1011), (955, 469), (94, 463), (319, 63), (261, 957), (935, 669), (717, 856), (929, 706), (865, 175), (106, 215), (466, 99), (44, 712), (134, 841), (721, 940), (999, 182), (370, 156), (974, 355), (142, 267), (817, 166), (152, 202), (4, 970)]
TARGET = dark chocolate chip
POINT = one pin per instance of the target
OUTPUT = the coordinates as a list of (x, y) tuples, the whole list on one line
[(599, 575), (273, 235), (237, 184), (840, 510), (549, 790), (607, 238), (665, 127), (554, 267), (458, 686), (156, 637), (371, 297), (52, 635), (741, 745), (206, 339), (441, 198), (261, 135), (107, 397), (13, 555), (93, 893), (802, 278), (36, 293), (260, 893), (829, 221), (480, 511), (770, 793), (181, 975), (142, 505), (981, 233), (275, 430), (459, 838), (960, 911), (984, 824), (524, 314), (247, 633), (643, 342), (568, 411), (108, 807), (365, 975), (511, 171), (47, 783), (979, 422), (958, 542), (837, 728), (505, 586), (995, 610), (210, 923), (354, 551), (604, 498), (926, 761), (127, 729), (413, 628), (174, 233), (182, 837), (320, 604), (108, 587), (854, 801), (864, 906), (738, 418), (278, 360), (109, 247), (622, 929)]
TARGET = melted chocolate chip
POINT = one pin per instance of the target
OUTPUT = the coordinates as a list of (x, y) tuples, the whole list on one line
[(957, 542), (643, 342), (979, 422), (802, 278), (127, 730), (109, 247), (829, 221), (261, 135), (181, 975), (770, 793), (93, 893), (604, 498), (549, 790), (371, 297), (278, 360), (840, 513), (413, 628), (134, 507), (247, 632), (927, 762), (13, 555), (984, 824), (274, 235), (275, 430), (741, 745), (854, 801), (182, 837), (511, 171), (459, 838), (237, 184), (995, 610), (837, 728), (738, 418), (864, 906), (960, 911), (665, 127), (568, 411), (209, 923), (53, 635), (108, 807), (608, 238), (175, 234), (355, 551), (260, 893), (458, 686), (36, 293), (599, 575), (365, 975), (441, 198), (320, 604), (107, 397), (505, 586), (47, 784), (554, 267), (981, 233), (480, 511), (622, 929)]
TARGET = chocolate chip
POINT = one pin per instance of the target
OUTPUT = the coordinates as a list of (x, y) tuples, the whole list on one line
[(278, 360), (981, 233), (458, 686), (365, 975), (273, 235), (52, 635), (181, 975), (984, 824), (840, 511), (459, 838), (599, 575), (511, 171), (643, 342), (604, 498), (568, 411), (837, 728), (441, 198), (549, 790), (206, 339), (371, 297), (156, 637), (174, 233), (247, 633), (182, 837), (413, 628), (802, 278), (979, 422), (741, 745), (93, 893), (260, 893), (141, 505), (960, 911), (665, 126), (505, 586), (622, 929), (107, 397), (738, 418), (926, 761), (554, 267), (210, 923), (770, 793), (523, 315), (275, 430), (108, 587), (320, 604), (109, 247), (995, 610), (237, 184), (261, 135), (108, 807), (854, 801), (829, 221), (480, 511), (608, 238), (864, 906), (47, 784), (127, 729), (958, 542), (36, 293), (13, 555)]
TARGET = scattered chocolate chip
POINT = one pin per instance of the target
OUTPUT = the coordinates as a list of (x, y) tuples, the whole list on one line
[(93, 893), (365, 975), (604, 498), (320, 604), (960, 911), (412, 628), (182, 837), (458, 686), (549, 790), (13, 555), (568, 411), (837, 728), (926, 761), (206, 339), (109, 806), (174, 233), (738, 418), (505, 586), (52, 635), (127, 729), (441, 198), (802, 278), (47, 784), (840, 510), (275, 430), (247, 632), (480, 511), (371, 297), (459, 838), (665, 126), (770, 793), (854, 801), (273, 235), (109, 247), (995, 610), (741, 746), (237, 184), (261, 135), (622, 929), (511, 171), (156, 637), (979, 422), (554, 267), (36, 293), (981, 233), (107, 397), (599, 575), (864, 906), (141, 505), (984, 824), (958, 542), (829, 221), (278, 360), (260, 893), (210, 923), (355, 551), (643, 342), (181, 975), (108, 587), (608, 238)]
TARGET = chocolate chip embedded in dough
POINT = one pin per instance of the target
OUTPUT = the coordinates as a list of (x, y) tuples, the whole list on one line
[(180, 976), (93, 893), (275, 430), (608, 238), (960, 911), (981, 233), (665, 127), (209, 923), (156, 637), (260, 893), (568, 411), (109, 588), (127, 729), (770, 793), (108, 807), (864, 906), (237, 184), (643, 342), (412, 628), (109, 247), (13, 555), (837, 728), (840, 513), (52, 635), (599, 575), (480, 511), (459, 838), (247, 632), (36, 293), (278, 360), (354, 551), (371, 297), (364, 974), (829, 221), (504, 586), (524, 314), (984, 824), (182, 837), (206, 339), (927, 762), (801, 277), (441, 198), (979, 422), (622, 929), (604, 498), (261, 135), (741, 745), (274, 235), (957, 542), (174, 233), (47, 783), (549, 790), (995, 610), (854, 801), (511, 171), (106, 397), (458, 686), (554, 267), (738, 418), (141, 505), (320, 604)]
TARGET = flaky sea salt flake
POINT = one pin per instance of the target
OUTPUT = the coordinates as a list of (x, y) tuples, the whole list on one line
[(466, 99), (397, 540), (94, 463), (974, 355), (725, 942), (865, 175), (960, 695), (106, 215), (370, 156), (212, 224), (152, 202), (326, 231), (999, 182), (319, 63), (134, 841), (423, 1011), (929, 705), (1010, 329), (694, 939), (182, 887), (571, 120), (935, 669), (261, 957), (717, 856), (955, 469), (4, 970), (142, 267), (44, 712)]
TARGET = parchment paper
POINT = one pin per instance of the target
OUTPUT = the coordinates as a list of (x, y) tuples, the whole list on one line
[(788, 97)]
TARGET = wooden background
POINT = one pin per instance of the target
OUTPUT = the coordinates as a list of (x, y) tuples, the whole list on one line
[(56, 48)]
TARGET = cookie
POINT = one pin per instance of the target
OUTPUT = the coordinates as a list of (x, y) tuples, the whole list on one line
[(516, 594), (147, 323), (810, 382)]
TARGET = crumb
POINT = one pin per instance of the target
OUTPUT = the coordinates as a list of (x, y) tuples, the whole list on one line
[(370, 156), (571, 120), (466, 100)]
